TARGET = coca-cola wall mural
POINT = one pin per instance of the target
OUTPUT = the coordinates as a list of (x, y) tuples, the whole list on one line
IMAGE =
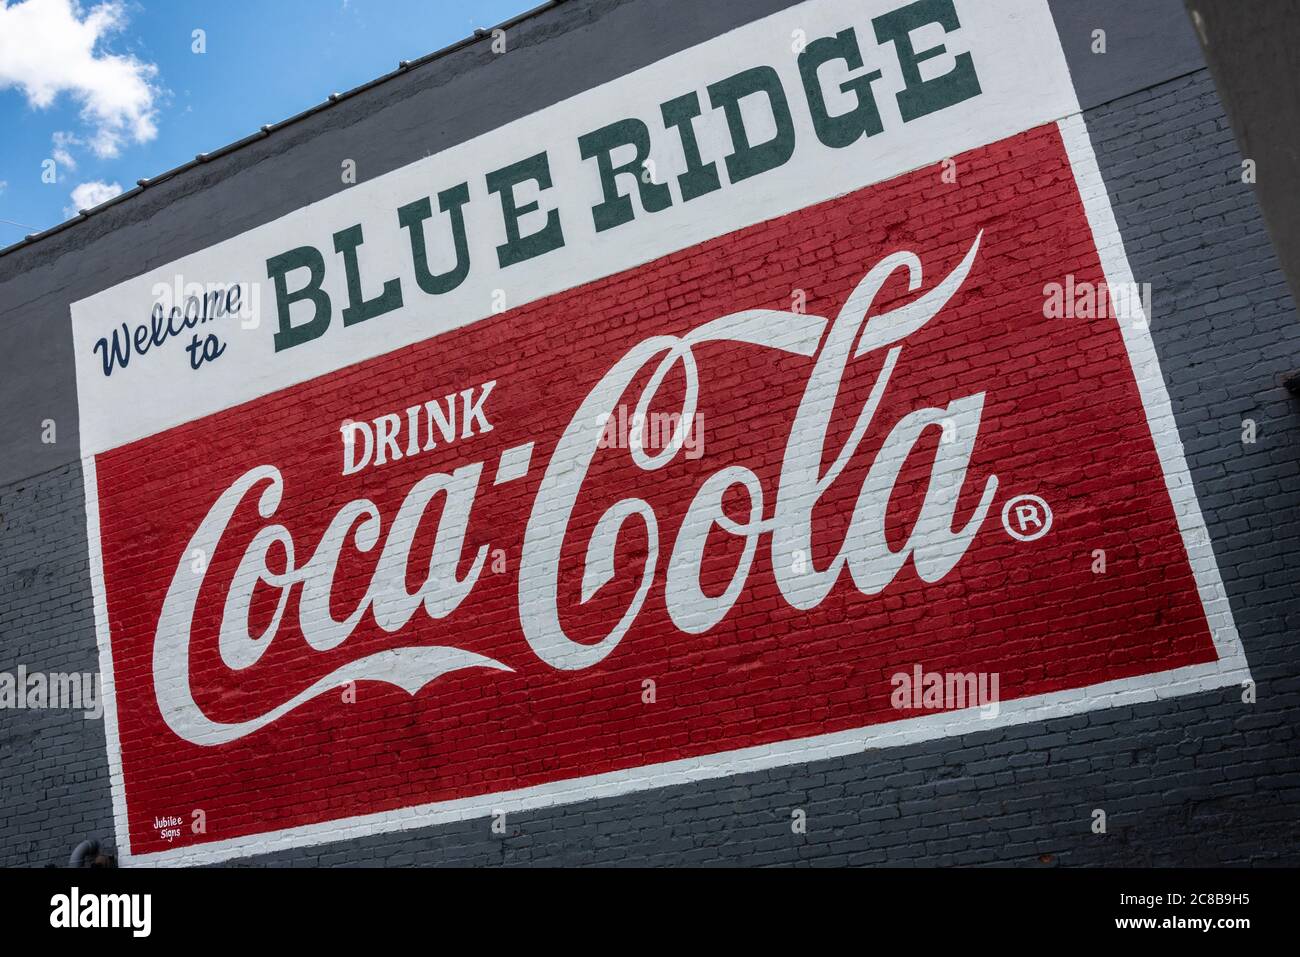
[(711, 420)]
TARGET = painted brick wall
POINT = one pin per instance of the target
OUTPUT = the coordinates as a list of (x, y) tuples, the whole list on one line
[(1200, 779), (54, 788)]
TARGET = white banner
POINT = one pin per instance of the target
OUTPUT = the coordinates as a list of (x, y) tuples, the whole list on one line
[(811, 103)]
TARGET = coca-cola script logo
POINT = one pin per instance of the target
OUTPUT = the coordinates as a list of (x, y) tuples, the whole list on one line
[(432, 578), (933, 546)]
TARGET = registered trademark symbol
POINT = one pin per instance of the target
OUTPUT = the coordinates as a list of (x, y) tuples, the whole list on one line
[(1026, 518)]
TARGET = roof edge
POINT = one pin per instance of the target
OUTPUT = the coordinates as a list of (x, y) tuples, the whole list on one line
[(403, 67)]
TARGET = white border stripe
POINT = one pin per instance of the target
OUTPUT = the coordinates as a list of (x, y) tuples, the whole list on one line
[(1230, 669), (99, 597), (1155, 399), (1059, 704)]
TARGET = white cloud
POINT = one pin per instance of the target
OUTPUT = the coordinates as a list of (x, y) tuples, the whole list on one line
[(62, 152), (50, 47), (89, 195), (4, 185)]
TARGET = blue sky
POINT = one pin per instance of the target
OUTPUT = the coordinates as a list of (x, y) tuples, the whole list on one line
[(113, 92)]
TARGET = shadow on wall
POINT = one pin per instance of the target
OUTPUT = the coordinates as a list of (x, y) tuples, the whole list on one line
[(1253, 60)]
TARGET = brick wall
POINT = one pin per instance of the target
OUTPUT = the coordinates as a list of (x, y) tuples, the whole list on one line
[(1197, 779), (54, 789)]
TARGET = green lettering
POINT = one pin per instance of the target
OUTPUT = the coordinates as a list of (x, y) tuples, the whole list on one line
[(277, 268), (518, 248), (699, 178), (616, 208), (359, 308), (746, 159), (412, 217), (920, 97), (864, 120)]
